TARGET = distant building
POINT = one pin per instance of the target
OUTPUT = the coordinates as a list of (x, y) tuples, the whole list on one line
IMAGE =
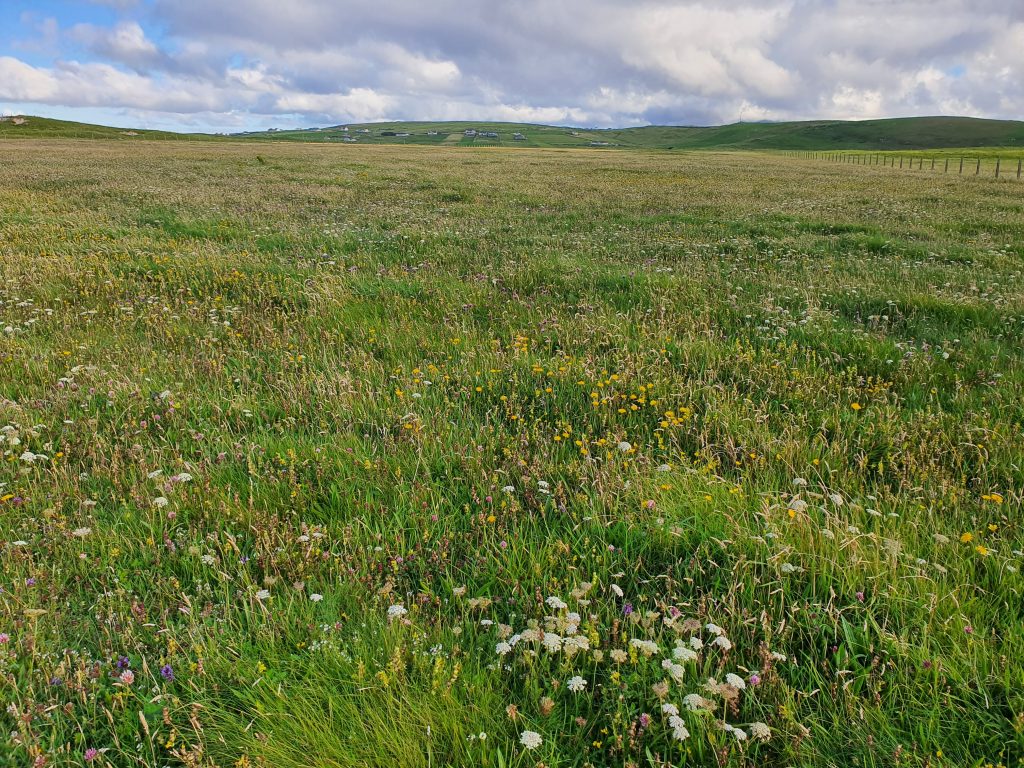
[(600, 144), (518, 137), (402, 135), (488, 134), (469, 132)]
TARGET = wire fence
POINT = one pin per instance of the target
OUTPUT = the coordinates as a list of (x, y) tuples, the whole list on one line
[(962, 165)]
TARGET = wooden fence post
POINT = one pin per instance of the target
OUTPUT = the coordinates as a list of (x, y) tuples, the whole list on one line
[(901, 162), (977, 170), (1018, 168), (997, 167), (961, 166), (947, 166)]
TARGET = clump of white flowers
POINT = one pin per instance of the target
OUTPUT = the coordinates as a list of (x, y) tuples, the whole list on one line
[(530, 739)]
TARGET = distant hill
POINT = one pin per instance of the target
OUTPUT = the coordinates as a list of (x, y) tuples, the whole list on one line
[(909, 133), (27, 126)]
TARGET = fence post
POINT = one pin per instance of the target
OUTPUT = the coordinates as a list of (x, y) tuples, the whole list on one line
[(933, 163), (947, 166), (997, 167), (1018, 168), (977, 170), (961, 166)]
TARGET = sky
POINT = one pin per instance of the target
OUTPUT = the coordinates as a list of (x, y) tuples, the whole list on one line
[(233, 65)]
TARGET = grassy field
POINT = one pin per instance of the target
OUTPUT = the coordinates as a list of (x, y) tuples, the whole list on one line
[(399, 456)]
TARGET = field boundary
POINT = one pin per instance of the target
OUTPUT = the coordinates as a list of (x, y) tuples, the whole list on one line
[(946, 163)]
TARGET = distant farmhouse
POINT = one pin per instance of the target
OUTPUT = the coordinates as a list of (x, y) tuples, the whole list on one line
[(518, 137), (469, 132)]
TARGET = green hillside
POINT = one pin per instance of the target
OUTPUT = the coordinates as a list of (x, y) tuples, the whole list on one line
[(880, 135), (44, 127), (911, 133)]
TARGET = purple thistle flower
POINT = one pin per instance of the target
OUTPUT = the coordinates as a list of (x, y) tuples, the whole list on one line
[(91, 754), (167, 673), (627, 609)]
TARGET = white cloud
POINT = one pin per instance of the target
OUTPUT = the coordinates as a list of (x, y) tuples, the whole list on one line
[(588, 62)]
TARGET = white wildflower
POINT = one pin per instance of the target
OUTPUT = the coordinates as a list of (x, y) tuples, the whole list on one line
[(675, 671), (760, 731), (576, 684), (552, 642), (735, 681), (683, 653), (694, 702), (646, 647), (530, 739), (679, 732)]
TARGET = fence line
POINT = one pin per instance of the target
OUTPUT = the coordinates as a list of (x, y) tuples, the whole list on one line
[(968, 166)]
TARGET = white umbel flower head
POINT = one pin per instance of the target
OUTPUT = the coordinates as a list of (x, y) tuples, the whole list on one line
[(530, 739), (760, 731), (576, 684), (736, 681), (722, 642), (396, 611), (678, 726)]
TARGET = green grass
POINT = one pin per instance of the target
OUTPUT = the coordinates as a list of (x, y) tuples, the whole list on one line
[(451, 390)]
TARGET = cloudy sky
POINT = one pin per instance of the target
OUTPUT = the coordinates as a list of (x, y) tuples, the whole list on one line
[(244, 64)]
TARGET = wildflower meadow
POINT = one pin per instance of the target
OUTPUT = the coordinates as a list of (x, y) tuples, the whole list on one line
[(316, 455)]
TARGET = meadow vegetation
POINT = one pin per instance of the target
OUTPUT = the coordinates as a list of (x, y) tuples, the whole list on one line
[(392, 456)]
